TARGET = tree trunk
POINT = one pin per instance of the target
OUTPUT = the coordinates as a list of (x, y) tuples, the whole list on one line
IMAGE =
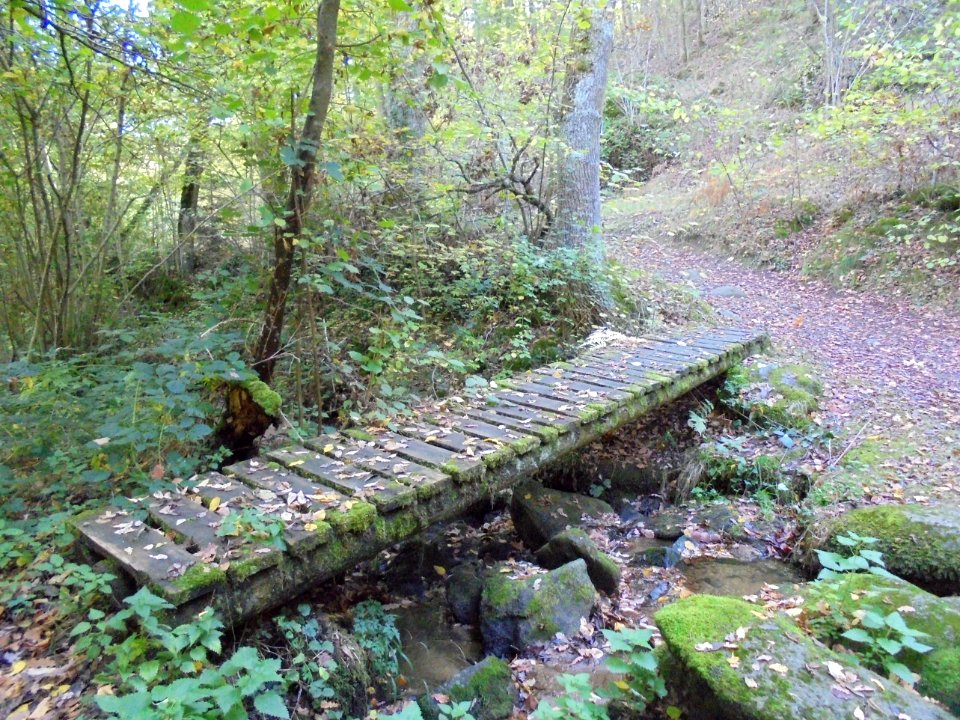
[(246, 419), (189, 203), (303, 175), (683, 31), (577, 221)]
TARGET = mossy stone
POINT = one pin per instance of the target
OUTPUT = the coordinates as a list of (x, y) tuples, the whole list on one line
[(828, 603), (488, 686), (793, 393), (574, 543), (787, 671), (920, 543), (540, 513), (516, 613)]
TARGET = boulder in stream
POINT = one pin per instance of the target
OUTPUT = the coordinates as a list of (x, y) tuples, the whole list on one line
[(464, 588), (539, 513), (832, 609), (515, 613), (574, 543), (727, 658), (920, 543), (488, 686)]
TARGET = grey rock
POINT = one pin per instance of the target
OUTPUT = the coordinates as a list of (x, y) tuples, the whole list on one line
[(574, 543), (540, 513), (464, 588), (515, 613)]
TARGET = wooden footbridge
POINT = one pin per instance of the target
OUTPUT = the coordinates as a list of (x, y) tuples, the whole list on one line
[(266, 529)]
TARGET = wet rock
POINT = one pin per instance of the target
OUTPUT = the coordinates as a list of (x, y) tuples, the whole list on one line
[(648, 552), (488, 686), (574, 543), (662, 588), (736, 578), (778, 674), (669, 524), (515, 613), (434, 650), (464, 588), (833, 605), (540, 513), (920, 543)]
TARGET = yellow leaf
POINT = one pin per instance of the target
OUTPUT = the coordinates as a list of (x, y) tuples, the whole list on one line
[(750, 683), (320, 515), (310, 527), (214, 504), (778, 668), (18, 666), (297, 462), (328, 448), (440, 570), (622, 685)]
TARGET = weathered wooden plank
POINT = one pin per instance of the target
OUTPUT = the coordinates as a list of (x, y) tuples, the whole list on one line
[(561, 375), (427, 481), (386, 494), (559, 422), (253, 485), (573, 410), (199, 528), (543, 431), (148, 555), (498, 434), (470, 454)]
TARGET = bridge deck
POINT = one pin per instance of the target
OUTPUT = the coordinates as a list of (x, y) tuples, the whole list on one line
[(267, 528)]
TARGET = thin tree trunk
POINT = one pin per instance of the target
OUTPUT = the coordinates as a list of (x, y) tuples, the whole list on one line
[(303, 175), (189, 204)]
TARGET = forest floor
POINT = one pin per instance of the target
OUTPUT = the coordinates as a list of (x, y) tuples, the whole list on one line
[(891, 371)]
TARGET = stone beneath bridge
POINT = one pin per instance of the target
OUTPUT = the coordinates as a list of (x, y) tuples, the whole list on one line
[(266, 529)]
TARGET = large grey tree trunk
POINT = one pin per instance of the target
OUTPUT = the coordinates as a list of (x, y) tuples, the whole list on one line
[(577, 189)]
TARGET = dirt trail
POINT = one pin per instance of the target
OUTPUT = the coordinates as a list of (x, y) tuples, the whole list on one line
[(882, 358)]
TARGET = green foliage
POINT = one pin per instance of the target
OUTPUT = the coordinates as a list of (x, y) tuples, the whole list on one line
[(376, 632), (75, 423), (311, 664), (252, 523), (861, 558), (640, 684), (642, 128), (161, 673), (879, 634), (34, 571)]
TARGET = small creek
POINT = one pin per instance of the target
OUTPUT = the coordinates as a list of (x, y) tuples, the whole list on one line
[(727, 576), (435, 648)]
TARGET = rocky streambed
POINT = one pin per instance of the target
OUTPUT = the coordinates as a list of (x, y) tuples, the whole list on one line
[(495, 610)]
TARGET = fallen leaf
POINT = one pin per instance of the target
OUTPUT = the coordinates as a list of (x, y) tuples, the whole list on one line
[(778, 668), (214, 504)]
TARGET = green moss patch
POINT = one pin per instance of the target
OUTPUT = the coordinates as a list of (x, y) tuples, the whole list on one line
[(263, 395), (920, 543), (772, 672), (358, 518)]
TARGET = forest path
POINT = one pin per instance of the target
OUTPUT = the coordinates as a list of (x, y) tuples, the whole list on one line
[(887, 364)]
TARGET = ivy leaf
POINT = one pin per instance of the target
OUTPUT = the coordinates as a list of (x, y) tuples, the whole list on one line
[(399, 5), (858, 635), (184, 23), (271, 704)]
